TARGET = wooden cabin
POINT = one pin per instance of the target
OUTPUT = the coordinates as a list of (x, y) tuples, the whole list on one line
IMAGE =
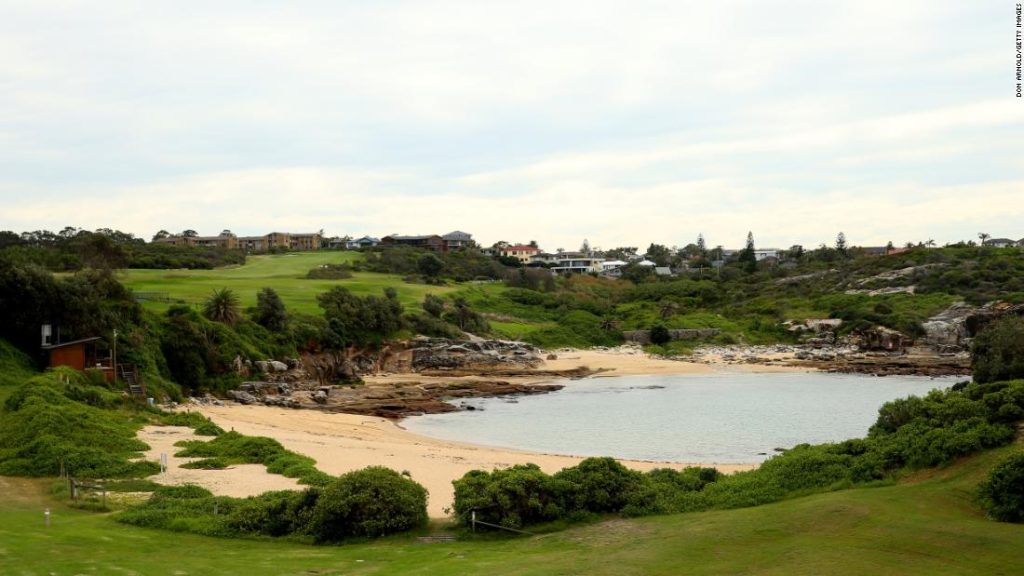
[(82, 355)]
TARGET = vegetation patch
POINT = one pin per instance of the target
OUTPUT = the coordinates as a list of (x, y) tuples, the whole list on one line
[(371, 502), (234, 448), (59, 420)]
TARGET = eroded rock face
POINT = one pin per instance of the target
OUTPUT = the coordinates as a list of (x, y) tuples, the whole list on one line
[(441, 354), (948, 329), (953, 329)]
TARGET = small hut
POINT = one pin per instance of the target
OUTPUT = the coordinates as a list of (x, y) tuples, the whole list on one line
[(82, 355)]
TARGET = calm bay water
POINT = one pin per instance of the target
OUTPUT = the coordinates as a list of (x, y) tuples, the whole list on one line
[(722, 418)]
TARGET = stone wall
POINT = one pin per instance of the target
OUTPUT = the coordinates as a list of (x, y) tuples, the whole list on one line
[(644, 336)]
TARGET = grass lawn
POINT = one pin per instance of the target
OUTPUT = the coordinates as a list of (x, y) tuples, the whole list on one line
[(282, 272), (927, 524)]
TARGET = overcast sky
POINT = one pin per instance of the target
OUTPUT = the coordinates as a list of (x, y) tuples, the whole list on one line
[(620, 122)]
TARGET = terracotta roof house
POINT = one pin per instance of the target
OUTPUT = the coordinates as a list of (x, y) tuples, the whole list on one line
[(521, 252)]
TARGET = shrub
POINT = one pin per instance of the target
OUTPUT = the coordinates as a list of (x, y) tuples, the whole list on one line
[(371, 502), (42, 426), (997, 352), (1002, 493), (598, 484), (660, 335), (275, 513), (513, 497)]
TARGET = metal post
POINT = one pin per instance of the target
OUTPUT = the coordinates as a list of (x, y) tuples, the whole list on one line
[(46, 516), (113, 357), (474, 520)]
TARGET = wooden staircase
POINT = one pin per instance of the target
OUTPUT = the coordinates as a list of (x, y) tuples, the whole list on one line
[(130, 376)]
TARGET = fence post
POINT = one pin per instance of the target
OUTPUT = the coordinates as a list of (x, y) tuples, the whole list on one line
[(474, 520)]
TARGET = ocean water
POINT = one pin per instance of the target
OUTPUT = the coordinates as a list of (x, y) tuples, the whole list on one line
[(721, 418)]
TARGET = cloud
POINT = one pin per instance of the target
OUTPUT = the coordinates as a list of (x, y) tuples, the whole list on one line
[(625, 123)]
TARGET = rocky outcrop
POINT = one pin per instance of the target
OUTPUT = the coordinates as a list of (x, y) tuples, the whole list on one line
[(953, 329), (644, 336), (441, 354)]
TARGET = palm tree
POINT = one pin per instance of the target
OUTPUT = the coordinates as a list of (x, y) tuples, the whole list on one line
[(222, 306), (984, 236)]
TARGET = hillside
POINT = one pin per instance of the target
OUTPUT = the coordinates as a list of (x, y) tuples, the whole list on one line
[(925, 524), (897, 292), (285, 273)]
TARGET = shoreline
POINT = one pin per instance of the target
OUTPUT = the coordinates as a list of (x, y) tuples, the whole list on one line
[(342, 442), (345, 442)]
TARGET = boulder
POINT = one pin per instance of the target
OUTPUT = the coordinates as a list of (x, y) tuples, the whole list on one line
[(242, 397)]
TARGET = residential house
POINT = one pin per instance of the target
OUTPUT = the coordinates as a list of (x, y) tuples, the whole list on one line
[(521, 252), (543, 259), (1000, 242), (228, 241), (361, 243), (577, 263), (458, 240), (303, 242), (429, 242), (612, 268)]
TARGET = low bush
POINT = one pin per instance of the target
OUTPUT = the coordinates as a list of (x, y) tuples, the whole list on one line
[(58, 419), (1002, 493), (371, 502), (234, 448)]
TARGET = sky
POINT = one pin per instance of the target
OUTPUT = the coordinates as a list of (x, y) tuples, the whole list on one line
[(623, 123)]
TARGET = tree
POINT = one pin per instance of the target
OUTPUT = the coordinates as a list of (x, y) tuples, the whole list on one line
[(222, 306), (702, 247), (796, 252), (1002, 493), (660, 335), (190, 233), (270, 311), (585, 248), (659, 254), (747, 257), (841, 244), (997, 352), (984, 236), (371, 502), (433, 305), (430, 266), (352, 320), (161, 235)]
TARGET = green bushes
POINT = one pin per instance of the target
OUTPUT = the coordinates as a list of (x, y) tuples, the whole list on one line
[(997, 353), (45, 424), (1002, 493), (371, 502), (234, 448), (513, 497)]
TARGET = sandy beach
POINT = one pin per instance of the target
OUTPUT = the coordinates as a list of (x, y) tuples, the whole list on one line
[(344, 442)]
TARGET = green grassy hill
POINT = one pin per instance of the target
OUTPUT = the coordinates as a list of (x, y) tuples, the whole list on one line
[(285, 273), (926, 524), (15, 368)]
